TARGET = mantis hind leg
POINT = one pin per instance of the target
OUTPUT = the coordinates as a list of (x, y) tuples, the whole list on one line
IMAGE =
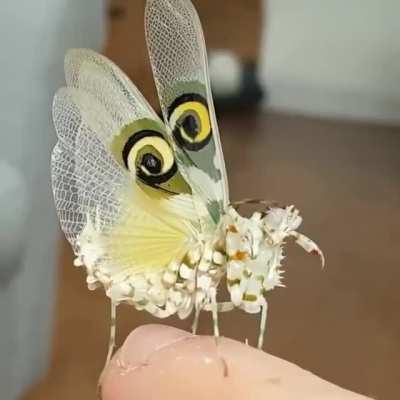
[(263, 324), (113, 328), (196, 319), (214, 311), (111, 343)]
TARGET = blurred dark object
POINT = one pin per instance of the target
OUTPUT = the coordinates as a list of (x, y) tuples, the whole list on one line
[(237, 87), (233, 26)]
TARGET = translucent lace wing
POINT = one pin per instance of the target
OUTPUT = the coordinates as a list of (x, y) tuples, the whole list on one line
[(179, 62), (119, 98), (86, 179), (105, 215)]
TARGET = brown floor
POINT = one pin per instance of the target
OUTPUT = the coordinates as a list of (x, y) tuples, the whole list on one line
[(341, 323)]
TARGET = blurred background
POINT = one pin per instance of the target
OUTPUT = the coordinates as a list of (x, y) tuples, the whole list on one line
[(308, 99)]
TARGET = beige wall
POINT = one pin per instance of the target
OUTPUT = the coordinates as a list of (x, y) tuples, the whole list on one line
[(337, 57)]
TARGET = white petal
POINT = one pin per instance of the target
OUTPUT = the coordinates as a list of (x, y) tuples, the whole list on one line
[(204, 282), (234, 269), (251, 307), (185, 272), (218, 258), (204, 265), (233, 243), (236, 295), (169, 277)]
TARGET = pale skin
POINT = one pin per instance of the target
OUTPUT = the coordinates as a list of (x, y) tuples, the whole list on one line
[(160, 362)]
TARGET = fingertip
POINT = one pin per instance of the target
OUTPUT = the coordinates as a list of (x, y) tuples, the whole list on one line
[(135, 354), (158, 361), (147, 340)]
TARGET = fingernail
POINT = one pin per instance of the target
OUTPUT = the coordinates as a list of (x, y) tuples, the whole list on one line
[(147, 340)]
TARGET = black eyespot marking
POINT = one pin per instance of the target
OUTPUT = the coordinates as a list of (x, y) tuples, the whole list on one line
[(154, 180), (185, 98), (151, 163), (134, 139), (191, 125), (190, 120), (150, 156)]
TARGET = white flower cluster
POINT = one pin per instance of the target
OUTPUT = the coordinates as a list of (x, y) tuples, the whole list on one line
[(249, 251)]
